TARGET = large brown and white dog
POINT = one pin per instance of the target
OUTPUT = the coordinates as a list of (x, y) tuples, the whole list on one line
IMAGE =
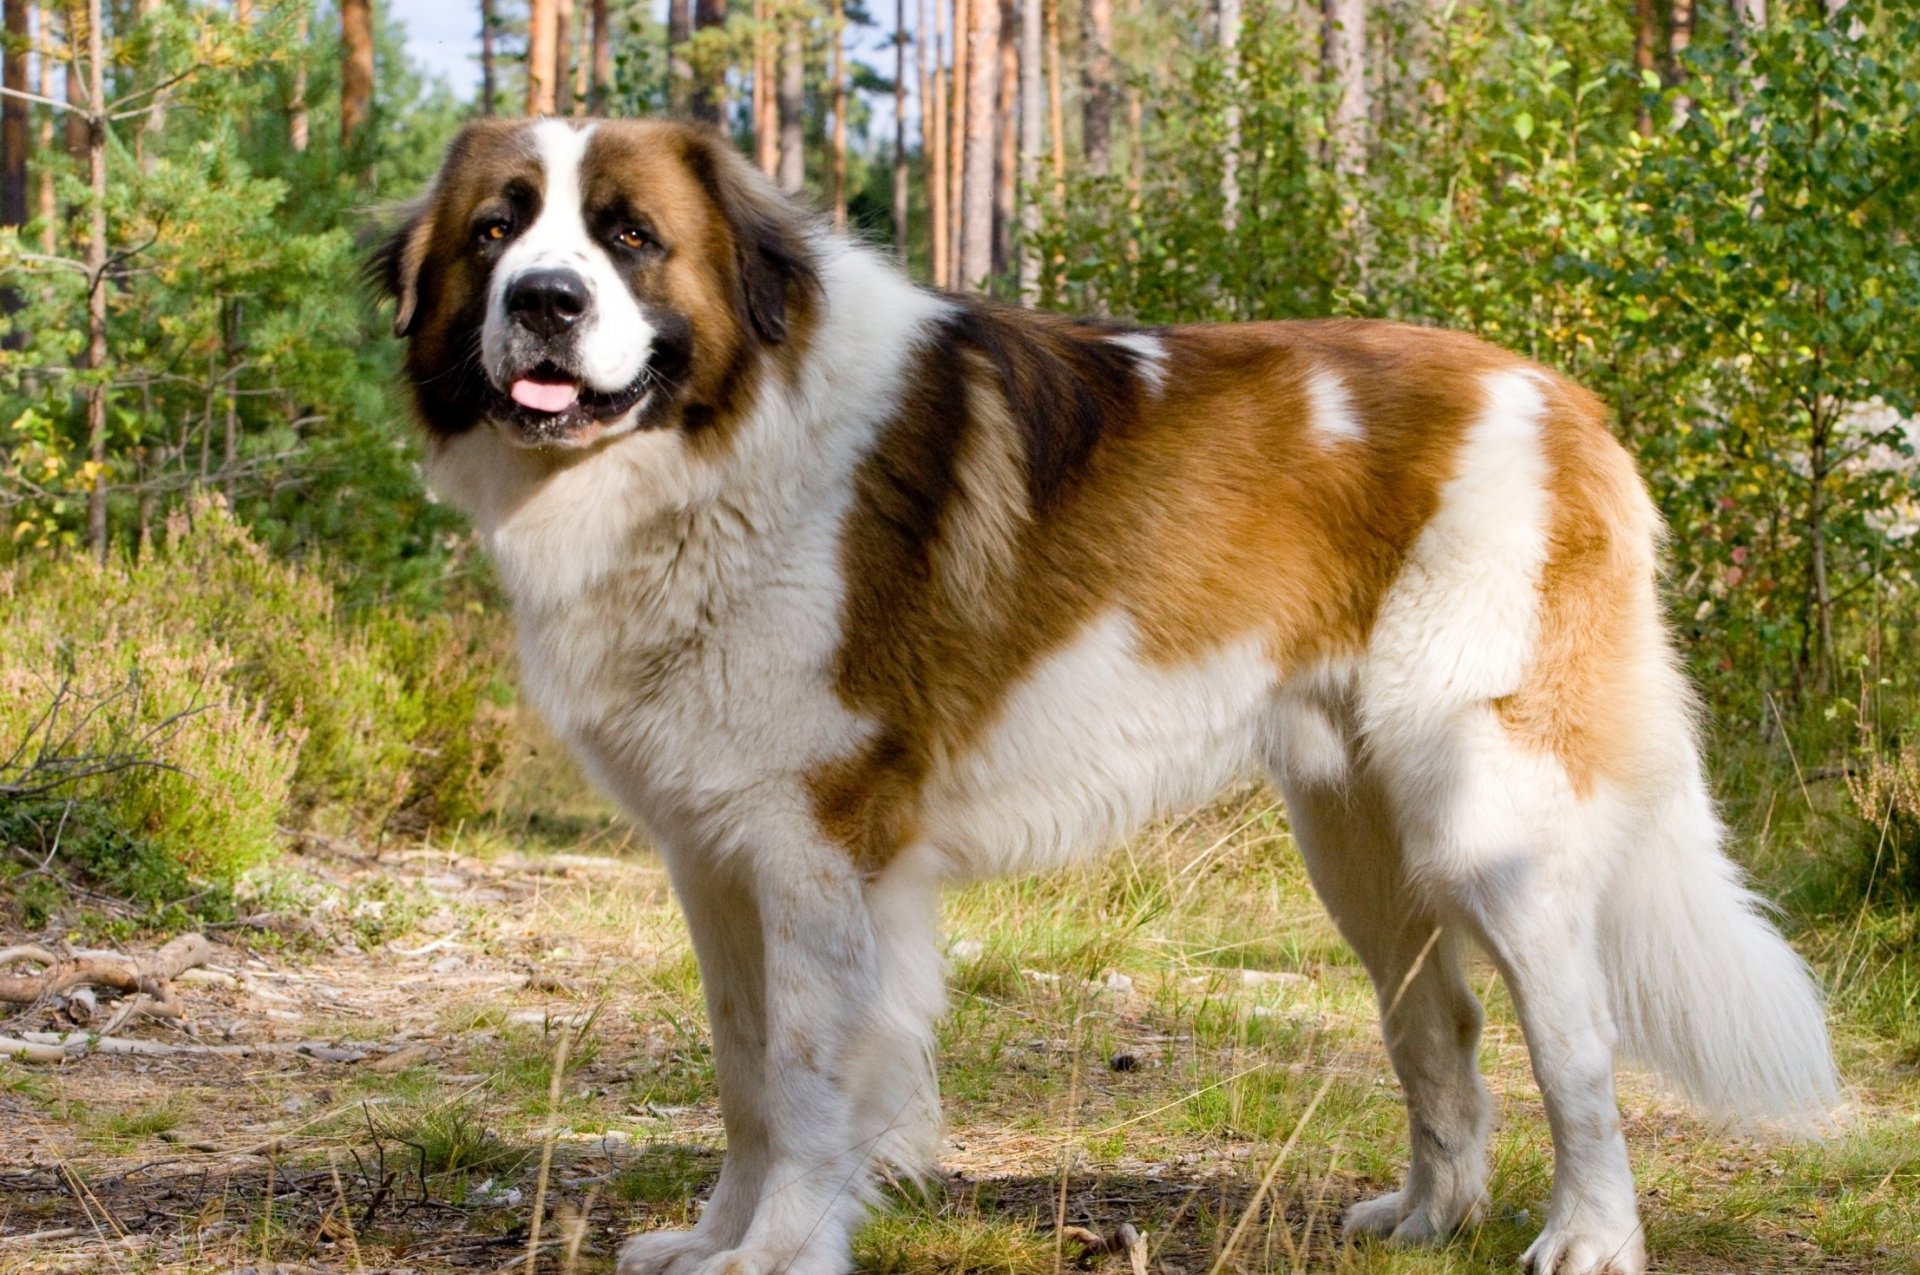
[(845, 589)]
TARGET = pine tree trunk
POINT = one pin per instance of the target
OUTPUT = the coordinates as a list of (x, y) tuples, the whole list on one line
[(900, 188), (1644, 36), (602, 59), (1344, 56), (1230, 145), (983, 84), (562, 64), (957, 143), (1032, 94), (933, 145), (356, 67), (46, 205), (1006, 126), (765, 121), (679, 70), (542, 33), (1056, 107), (96, 127), (709, 87), (837, 73), (1679, 39), (488, 87), (1096, 79), (74, 118), (582, 61), (16, 137), (299, 118), (793, 106)]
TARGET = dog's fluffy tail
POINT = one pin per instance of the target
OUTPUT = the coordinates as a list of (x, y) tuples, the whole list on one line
[(1704, 989)]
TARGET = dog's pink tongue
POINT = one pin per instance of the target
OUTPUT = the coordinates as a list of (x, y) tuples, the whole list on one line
[(544, 396)]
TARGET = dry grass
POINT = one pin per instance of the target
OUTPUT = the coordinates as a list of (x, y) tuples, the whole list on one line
[(1175, 1038)]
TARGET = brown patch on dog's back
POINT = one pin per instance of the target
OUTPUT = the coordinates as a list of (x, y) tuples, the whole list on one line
[(1207, 509)]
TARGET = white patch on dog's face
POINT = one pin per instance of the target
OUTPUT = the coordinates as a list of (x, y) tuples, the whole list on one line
[(609, 347)]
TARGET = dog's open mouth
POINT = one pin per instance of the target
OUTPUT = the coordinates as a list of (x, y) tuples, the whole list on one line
[(547, 404)]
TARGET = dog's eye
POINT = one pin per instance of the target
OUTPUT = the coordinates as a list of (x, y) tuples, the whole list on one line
[(634, 238), (493, 231)]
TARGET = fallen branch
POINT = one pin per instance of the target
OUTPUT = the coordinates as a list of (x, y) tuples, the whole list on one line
[(150, 982), (61, 1046)]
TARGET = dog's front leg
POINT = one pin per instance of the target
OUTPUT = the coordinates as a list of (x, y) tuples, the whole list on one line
[(808, 1167), (722, 918)]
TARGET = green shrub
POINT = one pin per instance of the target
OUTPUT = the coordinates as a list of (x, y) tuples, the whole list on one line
[(173, 711)]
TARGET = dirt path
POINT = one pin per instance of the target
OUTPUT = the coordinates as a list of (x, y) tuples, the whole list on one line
[(405, 1093)]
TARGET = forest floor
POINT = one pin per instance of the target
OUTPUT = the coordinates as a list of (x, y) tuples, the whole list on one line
[(463, 1039)]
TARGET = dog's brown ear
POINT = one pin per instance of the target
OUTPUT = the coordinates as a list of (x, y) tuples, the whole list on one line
[(396, 263), (772, 261)]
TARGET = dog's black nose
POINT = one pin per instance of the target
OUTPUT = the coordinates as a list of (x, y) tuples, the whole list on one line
[(547, 302)]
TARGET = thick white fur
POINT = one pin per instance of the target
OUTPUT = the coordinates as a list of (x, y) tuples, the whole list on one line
[(678, 619)]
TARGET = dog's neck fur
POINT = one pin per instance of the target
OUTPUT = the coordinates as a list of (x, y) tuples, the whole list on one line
[(628, 559)]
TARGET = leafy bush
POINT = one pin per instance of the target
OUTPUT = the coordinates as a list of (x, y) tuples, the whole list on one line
[(168, 713)]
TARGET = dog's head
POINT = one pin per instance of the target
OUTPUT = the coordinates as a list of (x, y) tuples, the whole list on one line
[(570, 282)]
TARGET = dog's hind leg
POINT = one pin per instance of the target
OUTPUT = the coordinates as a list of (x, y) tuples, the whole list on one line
[(1428, 1013), (1498, 839)]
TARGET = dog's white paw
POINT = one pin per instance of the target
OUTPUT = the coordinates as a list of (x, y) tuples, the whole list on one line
[(665, 1253), (767, 1261), (1377, 1217), (1396, 1218), (1572, 1251)]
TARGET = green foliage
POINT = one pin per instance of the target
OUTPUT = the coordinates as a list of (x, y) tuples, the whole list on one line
[(173, 710), (242, 352)]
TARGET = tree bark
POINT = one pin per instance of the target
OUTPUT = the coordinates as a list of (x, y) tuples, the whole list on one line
[(1032, 95), (983, 83), (74, 118), (16, 137), (356, 67), (46, 204), (16, 133), (765, 122), (1006, 124), (679, 70), (488, 86), (900, 188), (1679, 39), (1344, 63), (1096, 79), (837, 73), (299, 118), (957, 142), (793, 106), (582, 60), (1645, 35), (542, 32), (1056, 109), (933, 143), (1230, 145), (562, 47), (709, 87), (96, 127), (602, 56)]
